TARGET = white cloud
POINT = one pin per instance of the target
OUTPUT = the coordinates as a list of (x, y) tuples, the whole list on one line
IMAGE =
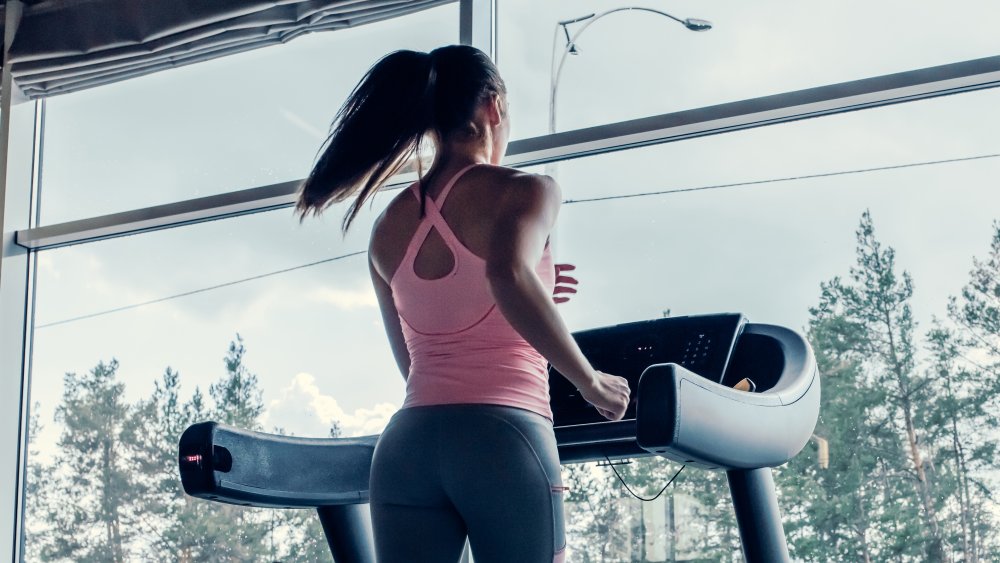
[(302, 409), (345, 298), (47, 266)]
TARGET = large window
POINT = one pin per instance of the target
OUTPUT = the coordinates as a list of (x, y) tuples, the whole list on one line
[(263, 323), (238, 122), (753, 240)]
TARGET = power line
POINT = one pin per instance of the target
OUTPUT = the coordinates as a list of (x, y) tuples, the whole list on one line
[(234, 282), (785, 179), (566, 202)]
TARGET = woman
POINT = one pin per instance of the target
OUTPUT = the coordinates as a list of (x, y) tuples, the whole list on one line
[(464, 278)]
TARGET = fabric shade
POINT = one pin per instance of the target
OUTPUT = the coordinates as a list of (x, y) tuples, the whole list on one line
[(68, 45)]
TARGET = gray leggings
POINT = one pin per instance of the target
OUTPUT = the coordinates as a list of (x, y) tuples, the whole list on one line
[(489, 472)]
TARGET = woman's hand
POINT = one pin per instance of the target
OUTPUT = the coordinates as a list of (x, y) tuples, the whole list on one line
[(560, 288), (609, 394)]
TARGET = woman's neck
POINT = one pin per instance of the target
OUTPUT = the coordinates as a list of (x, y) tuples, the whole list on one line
[(455, 160), (468, 151)]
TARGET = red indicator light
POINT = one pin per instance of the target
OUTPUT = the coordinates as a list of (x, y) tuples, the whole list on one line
[(192, 459)]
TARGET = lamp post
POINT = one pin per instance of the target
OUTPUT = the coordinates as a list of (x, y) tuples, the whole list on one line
[(571, 48)]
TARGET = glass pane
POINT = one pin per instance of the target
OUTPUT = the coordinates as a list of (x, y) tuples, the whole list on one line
[(238, 122), (138, 337), (634, 64), (763, 246)]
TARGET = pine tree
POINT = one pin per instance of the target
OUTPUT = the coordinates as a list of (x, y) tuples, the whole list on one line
[(964, 426), (237, 396), (838, 513), (876, 301), (710, 532), (969, 361), (181, 528), (94, 518), (977, 312), (713, 529), (306, 542), (38, 490), (112, 493), (303, 537), (597, 521), (178, 527), (237, 399)]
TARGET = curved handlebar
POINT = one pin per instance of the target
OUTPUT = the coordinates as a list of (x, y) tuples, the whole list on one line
[(273, 471), (687, 418)]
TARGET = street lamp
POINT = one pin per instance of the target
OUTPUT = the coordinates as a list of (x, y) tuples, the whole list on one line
[(571, 48)]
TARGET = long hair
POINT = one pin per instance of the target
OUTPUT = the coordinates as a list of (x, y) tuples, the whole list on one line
[(403, 97)]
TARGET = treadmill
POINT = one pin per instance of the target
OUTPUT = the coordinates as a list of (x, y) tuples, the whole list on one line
[(683, 407)]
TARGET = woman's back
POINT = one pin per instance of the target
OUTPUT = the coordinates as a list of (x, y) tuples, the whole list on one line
[(469, 210), (462, 349)]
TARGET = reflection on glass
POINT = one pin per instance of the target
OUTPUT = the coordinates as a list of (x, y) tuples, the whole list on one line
[(634, 64), (246, 120)]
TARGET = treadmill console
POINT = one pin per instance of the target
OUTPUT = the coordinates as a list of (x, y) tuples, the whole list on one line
[(702, 344)]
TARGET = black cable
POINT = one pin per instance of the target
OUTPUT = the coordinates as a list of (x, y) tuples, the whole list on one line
[(234, 282), (627, 488), (784, 179)]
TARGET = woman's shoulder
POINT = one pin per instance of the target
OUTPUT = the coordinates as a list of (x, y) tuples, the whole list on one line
[(513, 176), (510, 185), (501, 182)]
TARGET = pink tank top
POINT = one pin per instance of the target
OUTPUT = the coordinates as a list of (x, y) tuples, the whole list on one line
[(462, 349)]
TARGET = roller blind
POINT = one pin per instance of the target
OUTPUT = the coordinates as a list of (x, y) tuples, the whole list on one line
[(68, 45)]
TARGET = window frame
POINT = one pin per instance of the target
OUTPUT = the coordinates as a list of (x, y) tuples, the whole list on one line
[(478, 26)]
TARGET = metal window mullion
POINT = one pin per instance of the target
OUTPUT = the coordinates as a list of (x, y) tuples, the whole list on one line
[(478, 25), (16, 129), (38, 144)]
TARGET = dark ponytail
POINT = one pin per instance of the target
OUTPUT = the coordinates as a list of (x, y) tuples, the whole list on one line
[(401, 98)]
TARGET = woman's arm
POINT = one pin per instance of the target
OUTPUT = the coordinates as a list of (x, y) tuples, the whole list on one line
[(390, 319), (526, 215)]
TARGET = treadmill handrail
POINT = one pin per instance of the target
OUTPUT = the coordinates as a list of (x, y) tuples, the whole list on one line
[(273, 471), (685, 417)]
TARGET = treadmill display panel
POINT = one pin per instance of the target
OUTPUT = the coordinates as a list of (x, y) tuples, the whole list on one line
[(702, 344)]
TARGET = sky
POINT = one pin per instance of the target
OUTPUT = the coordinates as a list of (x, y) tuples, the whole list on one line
[(313, 335)]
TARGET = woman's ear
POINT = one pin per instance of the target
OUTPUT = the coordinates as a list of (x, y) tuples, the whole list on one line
[(495, 109)]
